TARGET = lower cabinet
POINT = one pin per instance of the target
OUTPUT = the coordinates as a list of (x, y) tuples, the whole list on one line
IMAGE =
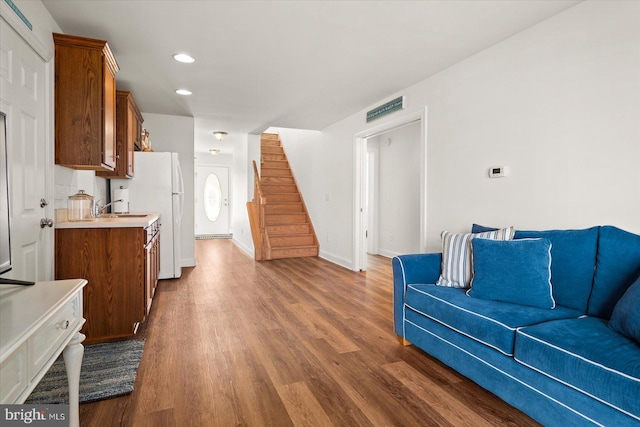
[(121, 267), (152, 263)]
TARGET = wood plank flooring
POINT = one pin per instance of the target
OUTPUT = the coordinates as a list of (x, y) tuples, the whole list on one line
[(293, 342)]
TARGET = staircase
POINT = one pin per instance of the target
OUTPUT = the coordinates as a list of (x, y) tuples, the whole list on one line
[(280, 223)]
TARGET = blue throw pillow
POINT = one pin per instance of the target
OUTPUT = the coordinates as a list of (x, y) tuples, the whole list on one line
[(477, 228), (515, 271), (626, 314)]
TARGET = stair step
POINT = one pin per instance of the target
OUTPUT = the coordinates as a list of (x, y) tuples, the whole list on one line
[(275, 172), (270, 143), (277, 180), (285, 218), (283, 207), (275, 164), (278, 188), (279, 241), (271, 156), (272, 150), (282, 197), (269, 137), (288, 229), (294, 252)]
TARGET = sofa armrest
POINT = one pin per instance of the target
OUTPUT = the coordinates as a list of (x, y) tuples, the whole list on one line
[(410, 269)]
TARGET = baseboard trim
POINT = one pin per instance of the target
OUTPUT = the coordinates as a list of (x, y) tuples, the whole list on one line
[(336, 259)]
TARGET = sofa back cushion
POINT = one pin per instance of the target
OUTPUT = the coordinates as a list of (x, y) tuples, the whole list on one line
[(617, 266), (573, 254)]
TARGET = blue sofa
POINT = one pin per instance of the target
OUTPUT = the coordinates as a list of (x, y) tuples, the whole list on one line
[(563, 366)]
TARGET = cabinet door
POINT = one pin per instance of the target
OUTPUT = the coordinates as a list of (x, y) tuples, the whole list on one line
[(156, 270), (112, 260), (148, 277), (109, 119), (131, 136)]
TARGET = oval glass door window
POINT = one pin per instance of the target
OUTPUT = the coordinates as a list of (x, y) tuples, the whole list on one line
[(212, 197)]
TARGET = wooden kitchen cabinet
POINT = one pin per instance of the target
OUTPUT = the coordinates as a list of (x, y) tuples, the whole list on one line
[(152, 263), (85, 103), (128, 135), (120, 270)]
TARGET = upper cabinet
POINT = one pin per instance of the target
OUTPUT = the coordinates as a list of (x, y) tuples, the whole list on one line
[(85, 103), (128, 135)]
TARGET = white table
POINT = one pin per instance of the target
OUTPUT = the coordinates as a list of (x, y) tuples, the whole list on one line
[(37, 323)]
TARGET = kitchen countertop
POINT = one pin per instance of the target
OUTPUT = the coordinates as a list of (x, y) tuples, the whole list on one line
[(106, 222)]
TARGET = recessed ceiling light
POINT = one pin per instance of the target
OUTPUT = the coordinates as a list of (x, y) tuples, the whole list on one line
[(183, 57), (183, 92)]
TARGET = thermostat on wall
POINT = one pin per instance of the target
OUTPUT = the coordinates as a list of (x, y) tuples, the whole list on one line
[(497, 172)]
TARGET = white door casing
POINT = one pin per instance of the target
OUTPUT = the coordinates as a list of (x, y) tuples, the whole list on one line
[(212, 210), (24, 86), (360, 178)]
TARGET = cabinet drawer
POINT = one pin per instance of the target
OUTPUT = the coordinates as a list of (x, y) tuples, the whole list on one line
[(13, 376), (52, 334)]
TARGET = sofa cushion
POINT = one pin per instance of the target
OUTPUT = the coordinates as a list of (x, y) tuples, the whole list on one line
[(587, 355), (456, 256), (492, 323), (618, 265), (626, 314), (515, 271), (574, 256)]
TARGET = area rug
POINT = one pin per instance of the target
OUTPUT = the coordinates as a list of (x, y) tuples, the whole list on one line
[(108, 370)]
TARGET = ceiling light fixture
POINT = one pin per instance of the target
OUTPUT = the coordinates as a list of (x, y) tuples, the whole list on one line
[(220, 135), (183, 92), (183, 57), (214, 151)]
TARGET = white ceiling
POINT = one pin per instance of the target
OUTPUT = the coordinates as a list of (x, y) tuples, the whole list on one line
[(299, 64)]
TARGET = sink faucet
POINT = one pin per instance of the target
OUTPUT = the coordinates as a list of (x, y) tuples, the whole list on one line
[(99, 208)]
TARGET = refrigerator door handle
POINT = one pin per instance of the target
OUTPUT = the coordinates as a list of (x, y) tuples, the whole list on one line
[(177, 180)]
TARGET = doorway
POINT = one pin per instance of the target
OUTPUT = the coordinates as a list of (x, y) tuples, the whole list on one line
[(212, 202), (390, 189)]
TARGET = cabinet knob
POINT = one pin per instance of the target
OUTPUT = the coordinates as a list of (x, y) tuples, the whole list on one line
[(63, 325)]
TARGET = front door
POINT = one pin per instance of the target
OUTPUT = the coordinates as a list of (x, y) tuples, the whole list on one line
[(23, 85), (212, 201)]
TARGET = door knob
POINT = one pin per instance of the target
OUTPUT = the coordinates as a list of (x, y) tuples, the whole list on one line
[(46, 222)]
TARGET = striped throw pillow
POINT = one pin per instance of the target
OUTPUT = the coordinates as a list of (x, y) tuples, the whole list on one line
[(456, 256)]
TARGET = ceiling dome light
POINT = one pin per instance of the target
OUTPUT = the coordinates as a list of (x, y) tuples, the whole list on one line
[(214, 151), (183, 57), (219, 135), (183, 92)]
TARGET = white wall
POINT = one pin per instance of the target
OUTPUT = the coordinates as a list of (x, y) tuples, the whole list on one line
[(558, 103), (242, 191), (175, 134), (397, 199)]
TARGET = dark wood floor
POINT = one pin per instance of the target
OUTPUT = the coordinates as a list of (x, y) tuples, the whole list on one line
[(298, 342)]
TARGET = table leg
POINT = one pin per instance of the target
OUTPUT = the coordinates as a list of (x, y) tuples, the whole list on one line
[(72, 354)]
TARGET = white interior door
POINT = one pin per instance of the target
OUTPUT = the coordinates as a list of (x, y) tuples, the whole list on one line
[(212, 200), (23, 98)]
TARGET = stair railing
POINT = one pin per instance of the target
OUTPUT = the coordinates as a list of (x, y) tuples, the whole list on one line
[(256, 211)]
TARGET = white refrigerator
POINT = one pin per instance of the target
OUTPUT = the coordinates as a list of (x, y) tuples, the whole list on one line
[(157, 186)]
